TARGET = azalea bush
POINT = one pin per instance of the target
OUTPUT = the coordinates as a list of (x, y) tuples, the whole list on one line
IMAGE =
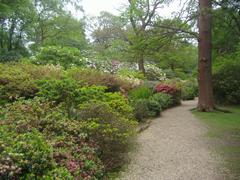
[(171, 90), (85, 143)]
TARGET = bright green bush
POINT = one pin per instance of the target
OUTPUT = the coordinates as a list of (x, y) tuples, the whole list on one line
[(22, 154), (64, 56), (142, 92), (62, 90), (130, 74), (226, 83)]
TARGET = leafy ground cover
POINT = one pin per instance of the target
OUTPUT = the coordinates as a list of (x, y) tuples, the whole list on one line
[(225, 128)]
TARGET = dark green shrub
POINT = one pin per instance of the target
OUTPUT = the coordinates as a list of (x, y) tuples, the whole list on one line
[(189, 89), (146, 108), (154, 107), (164, 100), (108, 128), (226, 83), (142, 92), (141, 110)]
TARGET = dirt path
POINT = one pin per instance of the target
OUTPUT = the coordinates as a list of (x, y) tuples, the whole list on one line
[(174, 148)]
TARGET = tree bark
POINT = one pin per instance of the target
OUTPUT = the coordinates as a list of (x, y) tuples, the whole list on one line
[(11, 33), (141, 65), (205, 101)]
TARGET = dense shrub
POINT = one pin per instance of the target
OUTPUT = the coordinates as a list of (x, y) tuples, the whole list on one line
[(18, 80), (93, 77), (153, 73), (109, 129), (142, 92), (71, 148), (145, 108), (164, 100), (141, 110), (189, 89), (14, 83), (64, 56), (226, 83), (62, 90), (132, 74), (22, 154), (171, 90)]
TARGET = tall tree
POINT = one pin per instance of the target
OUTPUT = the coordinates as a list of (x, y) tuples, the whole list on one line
[(141, 14), (205, 102)]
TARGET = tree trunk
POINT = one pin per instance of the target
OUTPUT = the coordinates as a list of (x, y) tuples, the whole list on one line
[(141, 64), (11, 33), (205, 101)]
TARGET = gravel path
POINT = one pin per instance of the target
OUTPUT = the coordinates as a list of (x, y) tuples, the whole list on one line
[(174, 148)]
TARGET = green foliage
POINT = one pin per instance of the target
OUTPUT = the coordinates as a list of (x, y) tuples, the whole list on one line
[(154, 107), (64, 56), (62, 90), (141, 110), (172, 88), (130, 74), (189, 89), (93, 77), (225, 128), (69, 146), (22, 154), (19, 80), (109, 129), (226, 83), (153, 73), (58, 173), (142, 92), (164, 100), (15, 82)]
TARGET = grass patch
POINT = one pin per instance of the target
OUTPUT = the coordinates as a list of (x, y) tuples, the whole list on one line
[(226, 128)]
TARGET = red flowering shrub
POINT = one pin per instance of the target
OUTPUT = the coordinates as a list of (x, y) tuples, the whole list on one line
[(163, 88), (171, 90)]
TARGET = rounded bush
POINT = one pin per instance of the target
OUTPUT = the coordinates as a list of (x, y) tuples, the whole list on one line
[(226, 83)]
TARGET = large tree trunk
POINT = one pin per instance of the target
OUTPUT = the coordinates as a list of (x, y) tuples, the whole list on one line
[(205, 102)]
